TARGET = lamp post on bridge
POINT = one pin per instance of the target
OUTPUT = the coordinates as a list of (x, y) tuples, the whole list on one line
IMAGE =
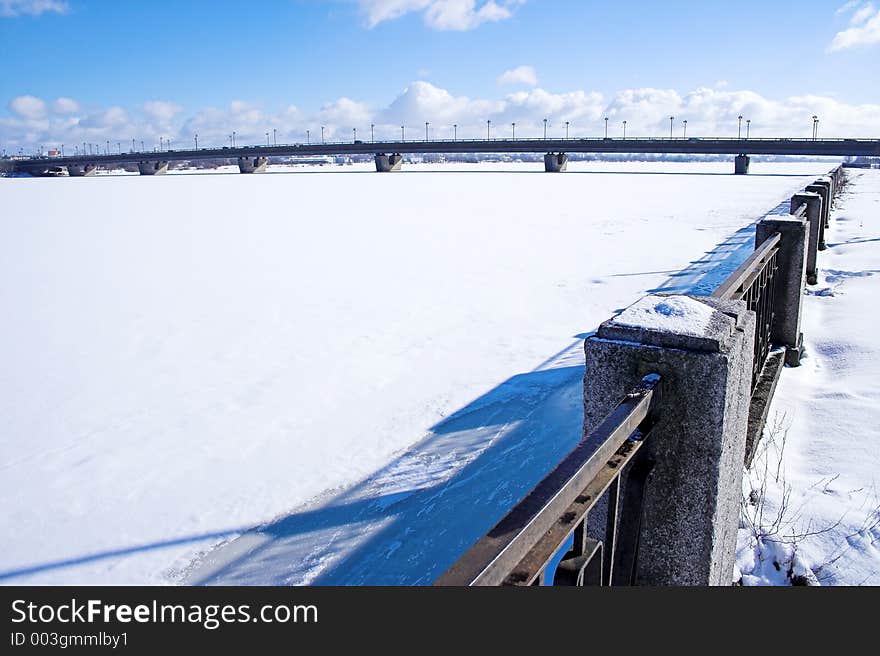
[(267, 140), (426, 131), (545, 129), (671, 124), (322, 134), (815, 127), (233, 138), (455, 131), (196, 139), (748, 127), (489, 130), (308, 137), (606, 127), (355, 133), (513, 131), (372, 134), (739, 127), (567, 123), (403, 133), (624, 129), (684, 131), (274, 136)]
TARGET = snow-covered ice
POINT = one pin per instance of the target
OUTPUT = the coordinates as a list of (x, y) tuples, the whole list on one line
[(381, 363)]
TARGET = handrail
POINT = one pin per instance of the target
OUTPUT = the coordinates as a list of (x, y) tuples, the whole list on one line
[(496, 555), (732, 288)]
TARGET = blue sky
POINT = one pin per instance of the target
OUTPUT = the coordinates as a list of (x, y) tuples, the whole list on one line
[(143, 70)]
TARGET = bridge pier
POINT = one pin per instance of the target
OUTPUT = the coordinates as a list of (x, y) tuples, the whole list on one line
[(555, 162), (152, 168), (81, 170), (252, 164), (741, 165), (388, 163)]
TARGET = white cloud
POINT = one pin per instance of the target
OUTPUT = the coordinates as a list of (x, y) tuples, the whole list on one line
[(65, 106), (161, 110), (864, 29), (710, 111), (440, 14), (28, 107), (32, 7), (519, 75)]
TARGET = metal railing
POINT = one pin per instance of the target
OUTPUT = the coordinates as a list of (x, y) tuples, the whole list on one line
[(755, 283), (522, 546)]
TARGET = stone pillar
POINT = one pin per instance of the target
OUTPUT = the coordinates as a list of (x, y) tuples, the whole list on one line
[(814, 223), (826, 181), (389, 163), (703, 349), (81, 170), (555, 162), (824, 191), (741, 164), (152, 168), (791, 261), (252, 164)]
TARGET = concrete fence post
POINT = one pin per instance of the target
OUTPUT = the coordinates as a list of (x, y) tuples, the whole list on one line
[(791, 261), (814, 221), (822, 190), (703, 350)]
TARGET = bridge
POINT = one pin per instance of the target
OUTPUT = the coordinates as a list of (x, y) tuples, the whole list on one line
[(389, 154)]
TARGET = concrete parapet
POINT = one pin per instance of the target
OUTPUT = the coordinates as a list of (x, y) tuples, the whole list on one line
[(741, 164), (252, 164), (814, 221), (791, 261), (152, 168), (826, 181), (702, 348), (388, 163), (555, 162), (81, 170)]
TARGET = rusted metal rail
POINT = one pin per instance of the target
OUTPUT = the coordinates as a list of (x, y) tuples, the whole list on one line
[(518, 550), (755, 283)]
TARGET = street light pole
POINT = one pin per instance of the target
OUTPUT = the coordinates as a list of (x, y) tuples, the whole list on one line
[(671, 122), (196, 138), (403, 133), (308, 137), (322, 134), (426, 131), (606, 127), (815, 127), (684, 132), (233, 138), (355, 132), (488, 130), (567, 123), (267, 140), (748, 127), (275, 136), (545, 129), (624, 129), (455, 131), (739, 126), (372, 134), (513, 131)]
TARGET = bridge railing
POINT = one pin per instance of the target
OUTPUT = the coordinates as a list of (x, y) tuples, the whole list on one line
[(521, 547)]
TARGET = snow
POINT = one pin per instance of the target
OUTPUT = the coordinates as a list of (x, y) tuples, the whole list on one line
[(381, 364), (819, 512), (678, 314)]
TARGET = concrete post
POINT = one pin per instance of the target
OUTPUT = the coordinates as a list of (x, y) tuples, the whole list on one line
[(555, 162), (252, 164), (741, 164), (814, 221), (790, 277), (824, 191), (826, 181), (703, 350), (152, 168), (81, 170), (388, 163)]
